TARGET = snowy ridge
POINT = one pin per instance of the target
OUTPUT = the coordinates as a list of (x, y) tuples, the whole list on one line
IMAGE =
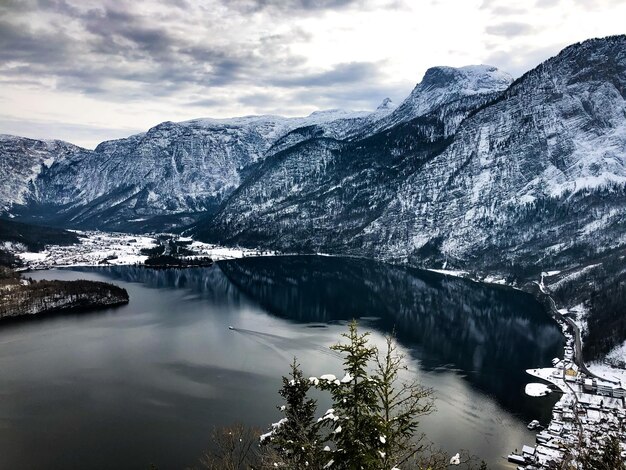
[(527, 173), (445, 85), (176, 170), (21, 162)]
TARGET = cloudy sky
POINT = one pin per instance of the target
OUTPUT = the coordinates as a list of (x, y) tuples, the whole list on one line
[(87, 71)]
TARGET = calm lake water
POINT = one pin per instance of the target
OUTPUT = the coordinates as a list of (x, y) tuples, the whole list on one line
[(146, 383)]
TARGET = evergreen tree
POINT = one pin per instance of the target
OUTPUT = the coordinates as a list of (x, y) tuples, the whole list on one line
[(356, 425), (609, 458), (295, 439)]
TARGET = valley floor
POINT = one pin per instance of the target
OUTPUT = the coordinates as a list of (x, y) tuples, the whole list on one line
[(104, 248)]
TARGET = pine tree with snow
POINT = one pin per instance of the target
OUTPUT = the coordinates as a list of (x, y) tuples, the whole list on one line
[(355, 424), (295, 442)]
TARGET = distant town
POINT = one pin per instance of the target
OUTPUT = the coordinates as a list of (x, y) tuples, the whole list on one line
[(591, 410)]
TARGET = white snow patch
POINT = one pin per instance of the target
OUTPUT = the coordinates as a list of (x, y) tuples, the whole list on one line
[(450, 272), (494, 280), (120, 249), (30, 257), (581, 314), (618, 354), (537, 390), (612, 374)]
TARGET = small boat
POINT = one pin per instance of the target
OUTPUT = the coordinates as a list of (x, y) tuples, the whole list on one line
[(534, 424), (231, 327), (515, 458)]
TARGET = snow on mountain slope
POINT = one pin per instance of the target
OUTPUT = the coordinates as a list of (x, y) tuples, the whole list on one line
[(475, 84), (535, 173), (332, 187), (22, 160), (346, 126), (538, 173), (346, 184), (165, 176)]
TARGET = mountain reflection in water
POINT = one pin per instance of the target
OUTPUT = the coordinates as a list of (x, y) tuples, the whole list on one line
[(147, 382), (488, 333)]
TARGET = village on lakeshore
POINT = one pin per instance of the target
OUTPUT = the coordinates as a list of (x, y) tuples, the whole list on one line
[(590, 411), (110, 249)]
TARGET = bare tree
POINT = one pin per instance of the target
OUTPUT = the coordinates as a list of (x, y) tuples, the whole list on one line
[(402, 403), (232, 448)]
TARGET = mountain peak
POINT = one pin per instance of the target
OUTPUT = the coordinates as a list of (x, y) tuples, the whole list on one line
[(445, 85), (468, 80), (387, 104), (442, 85)]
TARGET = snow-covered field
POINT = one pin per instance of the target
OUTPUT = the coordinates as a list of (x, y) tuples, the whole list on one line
[(618, 354), (97, 248)]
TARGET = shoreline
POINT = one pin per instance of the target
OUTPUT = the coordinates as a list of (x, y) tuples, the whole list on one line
[(591, 408), (23, 298), (125, 249)]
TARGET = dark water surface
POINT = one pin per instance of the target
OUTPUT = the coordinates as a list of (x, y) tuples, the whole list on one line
[(146, 383)]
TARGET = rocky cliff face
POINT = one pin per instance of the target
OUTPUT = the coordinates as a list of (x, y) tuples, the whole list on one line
[(22, 160), (333, 189), (450, 91), (150, 181), (535, 175)]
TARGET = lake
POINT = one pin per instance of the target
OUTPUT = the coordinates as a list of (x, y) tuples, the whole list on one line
[(146, 383)]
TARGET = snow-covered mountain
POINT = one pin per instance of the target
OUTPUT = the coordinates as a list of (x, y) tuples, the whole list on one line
[(537, 174), (449, 90), (471, 169), (21, 162), (154, 180), (468, 167)]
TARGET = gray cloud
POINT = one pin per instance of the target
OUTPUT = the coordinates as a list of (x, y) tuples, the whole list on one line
[(122, 55), (352, 72), (306, 7), (88, 136), (205, 102), (361, 96), (509, 29), (546, 3), (291, 5), (521, 59), (487, 4), (122, 46), (506, 10)]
